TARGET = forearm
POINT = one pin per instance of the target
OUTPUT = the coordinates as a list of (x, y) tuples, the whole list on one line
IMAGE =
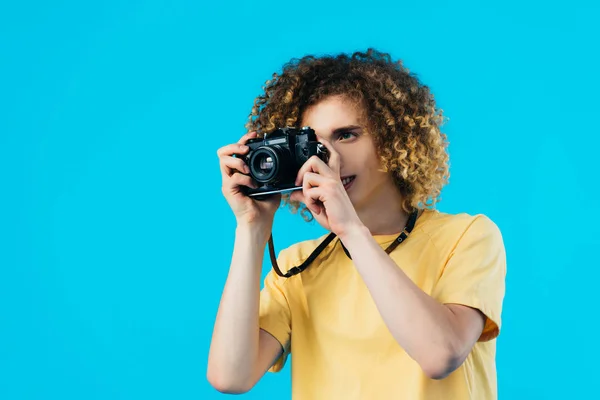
[(234, 346), (422, 326)]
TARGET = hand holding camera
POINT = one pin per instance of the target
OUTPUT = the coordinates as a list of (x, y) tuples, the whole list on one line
[(324, 194), (235, 181), (257, 170), (274, 161)]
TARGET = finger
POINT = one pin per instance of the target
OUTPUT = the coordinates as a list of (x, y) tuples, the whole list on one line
[(228, 152), (230, 164), (232, 149), (314, 199), (313, 164), (334, 157), (236, 180), (299, 197), (311, 181), (249, 135)]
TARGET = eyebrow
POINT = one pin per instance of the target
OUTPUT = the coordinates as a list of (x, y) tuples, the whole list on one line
[(345, 129)]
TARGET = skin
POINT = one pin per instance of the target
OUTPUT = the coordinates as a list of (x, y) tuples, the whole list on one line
[(240, 352), (373, 199), (437, 336)]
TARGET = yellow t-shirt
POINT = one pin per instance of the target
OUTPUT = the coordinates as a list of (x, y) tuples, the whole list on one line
[(340, 346)]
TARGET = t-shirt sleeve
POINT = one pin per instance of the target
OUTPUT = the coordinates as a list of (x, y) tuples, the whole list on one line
[(274, 311), (475, 273)]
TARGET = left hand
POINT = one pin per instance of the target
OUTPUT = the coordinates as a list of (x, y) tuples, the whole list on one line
[(324, 195)]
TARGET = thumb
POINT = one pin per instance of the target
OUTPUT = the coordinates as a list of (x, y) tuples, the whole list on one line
[(334, 157)]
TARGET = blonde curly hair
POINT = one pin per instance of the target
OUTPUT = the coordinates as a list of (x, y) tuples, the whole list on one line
[(401, 114)]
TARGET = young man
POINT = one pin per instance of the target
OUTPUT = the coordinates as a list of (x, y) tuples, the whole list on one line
[(393, 307)]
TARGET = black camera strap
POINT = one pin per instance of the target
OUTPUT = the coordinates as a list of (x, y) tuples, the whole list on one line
[(296, 270)]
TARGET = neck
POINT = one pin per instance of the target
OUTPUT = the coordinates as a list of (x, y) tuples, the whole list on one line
[(384, 215)]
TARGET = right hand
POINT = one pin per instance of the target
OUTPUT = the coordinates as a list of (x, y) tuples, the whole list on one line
[(234, 175)]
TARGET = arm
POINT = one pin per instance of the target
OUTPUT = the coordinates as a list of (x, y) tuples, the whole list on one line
[(240, 352), (439, 337)]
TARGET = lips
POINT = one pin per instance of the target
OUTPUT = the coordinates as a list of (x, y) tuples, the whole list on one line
[(347, 181)]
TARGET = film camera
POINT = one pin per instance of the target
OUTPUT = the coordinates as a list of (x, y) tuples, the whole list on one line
[(275, 160)]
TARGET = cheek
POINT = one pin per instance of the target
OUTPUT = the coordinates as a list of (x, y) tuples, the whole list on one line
[(345, 156), (372, 160)]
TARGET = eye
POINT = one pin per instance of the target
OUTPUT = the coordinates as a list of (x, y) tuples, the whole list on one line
[(346, 135)]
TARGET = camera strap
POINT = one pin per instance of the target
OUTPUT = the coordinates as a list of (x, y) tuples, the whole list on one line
[(296, 270)]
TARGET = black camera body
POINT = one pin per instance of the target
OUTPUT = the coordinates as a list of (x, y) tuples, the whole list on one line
[(275, 160)]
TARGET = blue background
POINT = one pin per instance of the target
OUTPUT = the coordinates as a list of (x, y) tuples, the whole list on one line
[(115, 240)]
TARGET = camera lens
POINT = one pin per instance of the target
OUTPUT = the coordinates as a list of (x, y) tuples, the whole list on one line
[(264, 165)]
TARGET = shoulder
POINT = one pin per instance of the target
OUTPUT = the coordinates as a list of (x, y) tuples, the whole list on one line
[(451, 228), (442, 222), (435, 219)]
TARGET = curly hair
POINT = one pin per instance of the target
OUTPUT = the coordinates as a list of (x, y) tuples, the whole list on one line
[(401, 115)]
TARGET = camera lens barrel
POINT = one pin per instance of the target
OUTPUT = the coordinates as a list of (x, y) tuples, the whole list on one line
[(266, 164)]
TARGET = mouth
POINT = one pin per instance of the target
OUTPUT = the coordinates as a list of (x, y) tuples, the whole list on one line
[(347, 181)]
